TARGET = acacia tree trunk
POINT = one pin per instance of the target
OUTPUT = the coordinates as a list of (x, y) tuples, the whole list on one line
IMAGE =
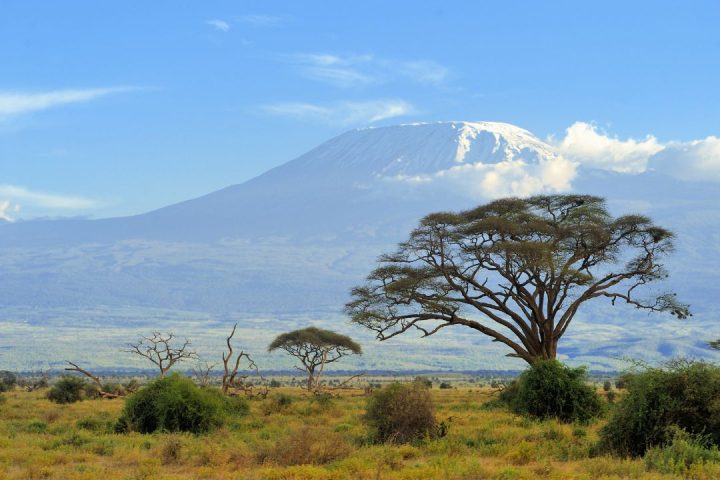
[(311, 378)]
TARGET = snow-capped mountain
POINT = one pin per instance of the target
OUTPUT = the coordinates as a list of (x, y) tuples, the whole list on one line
[(294, 240), (367, 178)]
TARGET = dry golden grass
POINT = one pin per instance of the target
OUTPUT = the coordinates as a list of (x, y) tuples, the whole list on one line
[(304, 440)]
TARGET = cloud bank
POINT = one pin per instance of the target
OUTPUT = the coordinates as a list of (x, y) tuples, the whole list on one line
[(693, 160), (12, 197)]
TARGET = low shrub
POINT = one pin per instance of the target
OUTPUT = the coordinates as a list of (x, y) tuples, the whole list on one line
[(67, 390), (679, 456), (445, 386), (8, 380), (91, 390), (401, 413), (424, 381), (549, 389), (306, 446), (173, 404), (171, 451), (279, 403), (680, 394)]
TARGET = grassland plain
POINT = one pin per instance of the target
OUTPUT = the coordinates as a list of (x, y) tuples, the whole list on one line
[(305, 438)]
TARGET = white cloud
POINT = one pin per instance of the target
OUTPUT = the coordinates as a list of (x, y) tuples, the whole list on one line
[(16, 103), (361, 70), (691, 160), (260, 20), (694, 160), (5, 206), (423, 71), (219, 25), (586, 144), (511, 177), (345, 113), (14, 195)]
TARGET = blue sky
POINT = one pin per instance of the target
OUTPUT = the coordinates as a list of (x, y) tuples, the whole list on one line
[(119, 109)]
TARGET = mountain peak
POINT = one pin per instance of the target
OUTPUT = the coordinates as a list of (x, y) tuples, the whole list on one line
[(423, 148)]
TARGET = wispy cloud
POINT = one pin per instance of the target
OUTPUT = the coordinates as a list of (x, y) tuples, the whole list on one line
[(259, 20), (219, 25), (12, 197), (345, 113), (17, 103), (360, 70)]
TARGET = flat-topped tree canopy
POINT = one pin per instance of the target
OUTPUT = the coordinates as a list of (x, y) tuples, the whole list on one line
[(315, 337), (315, 347), (516, 270)]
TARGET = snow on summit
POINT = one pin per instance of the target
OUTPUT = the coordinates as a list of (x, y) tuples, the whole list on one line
[(482, 159)]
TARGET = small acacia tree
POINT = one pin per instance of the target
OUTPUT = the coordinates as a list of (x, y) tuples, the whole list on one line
[(516, 270), (315, 348)]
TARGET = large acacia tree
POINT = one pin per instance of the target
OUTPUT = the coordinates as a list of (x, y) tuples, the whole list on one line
[(516, 270), (315, 348)]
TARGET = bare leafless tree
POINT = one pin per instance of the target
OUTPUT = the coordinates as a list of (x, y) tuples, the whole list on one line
[(39, 381), (231, 381), (203, 372), (101, 390), (159, 349)]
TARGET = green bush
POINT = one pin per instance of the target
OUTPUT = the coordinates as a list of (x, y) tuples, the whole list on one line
[(173, 404), (91, 390), (681, 394), (67, 390), (279, 403), (401, 413), (549, 389), (8, 380)]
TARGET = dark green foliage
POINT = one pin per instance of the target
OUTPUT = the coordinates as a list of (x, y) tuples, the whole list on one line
[(401, 413), (445, 386), (174, 404), (8, 380), (121, 426), (67, 390), (607, 386), (682, 394), (237, 406), (549, 389), (275, 384)]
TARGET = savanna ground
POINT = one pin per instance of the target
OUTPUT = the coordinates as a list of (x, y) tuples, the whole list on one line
[(305, 438)]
